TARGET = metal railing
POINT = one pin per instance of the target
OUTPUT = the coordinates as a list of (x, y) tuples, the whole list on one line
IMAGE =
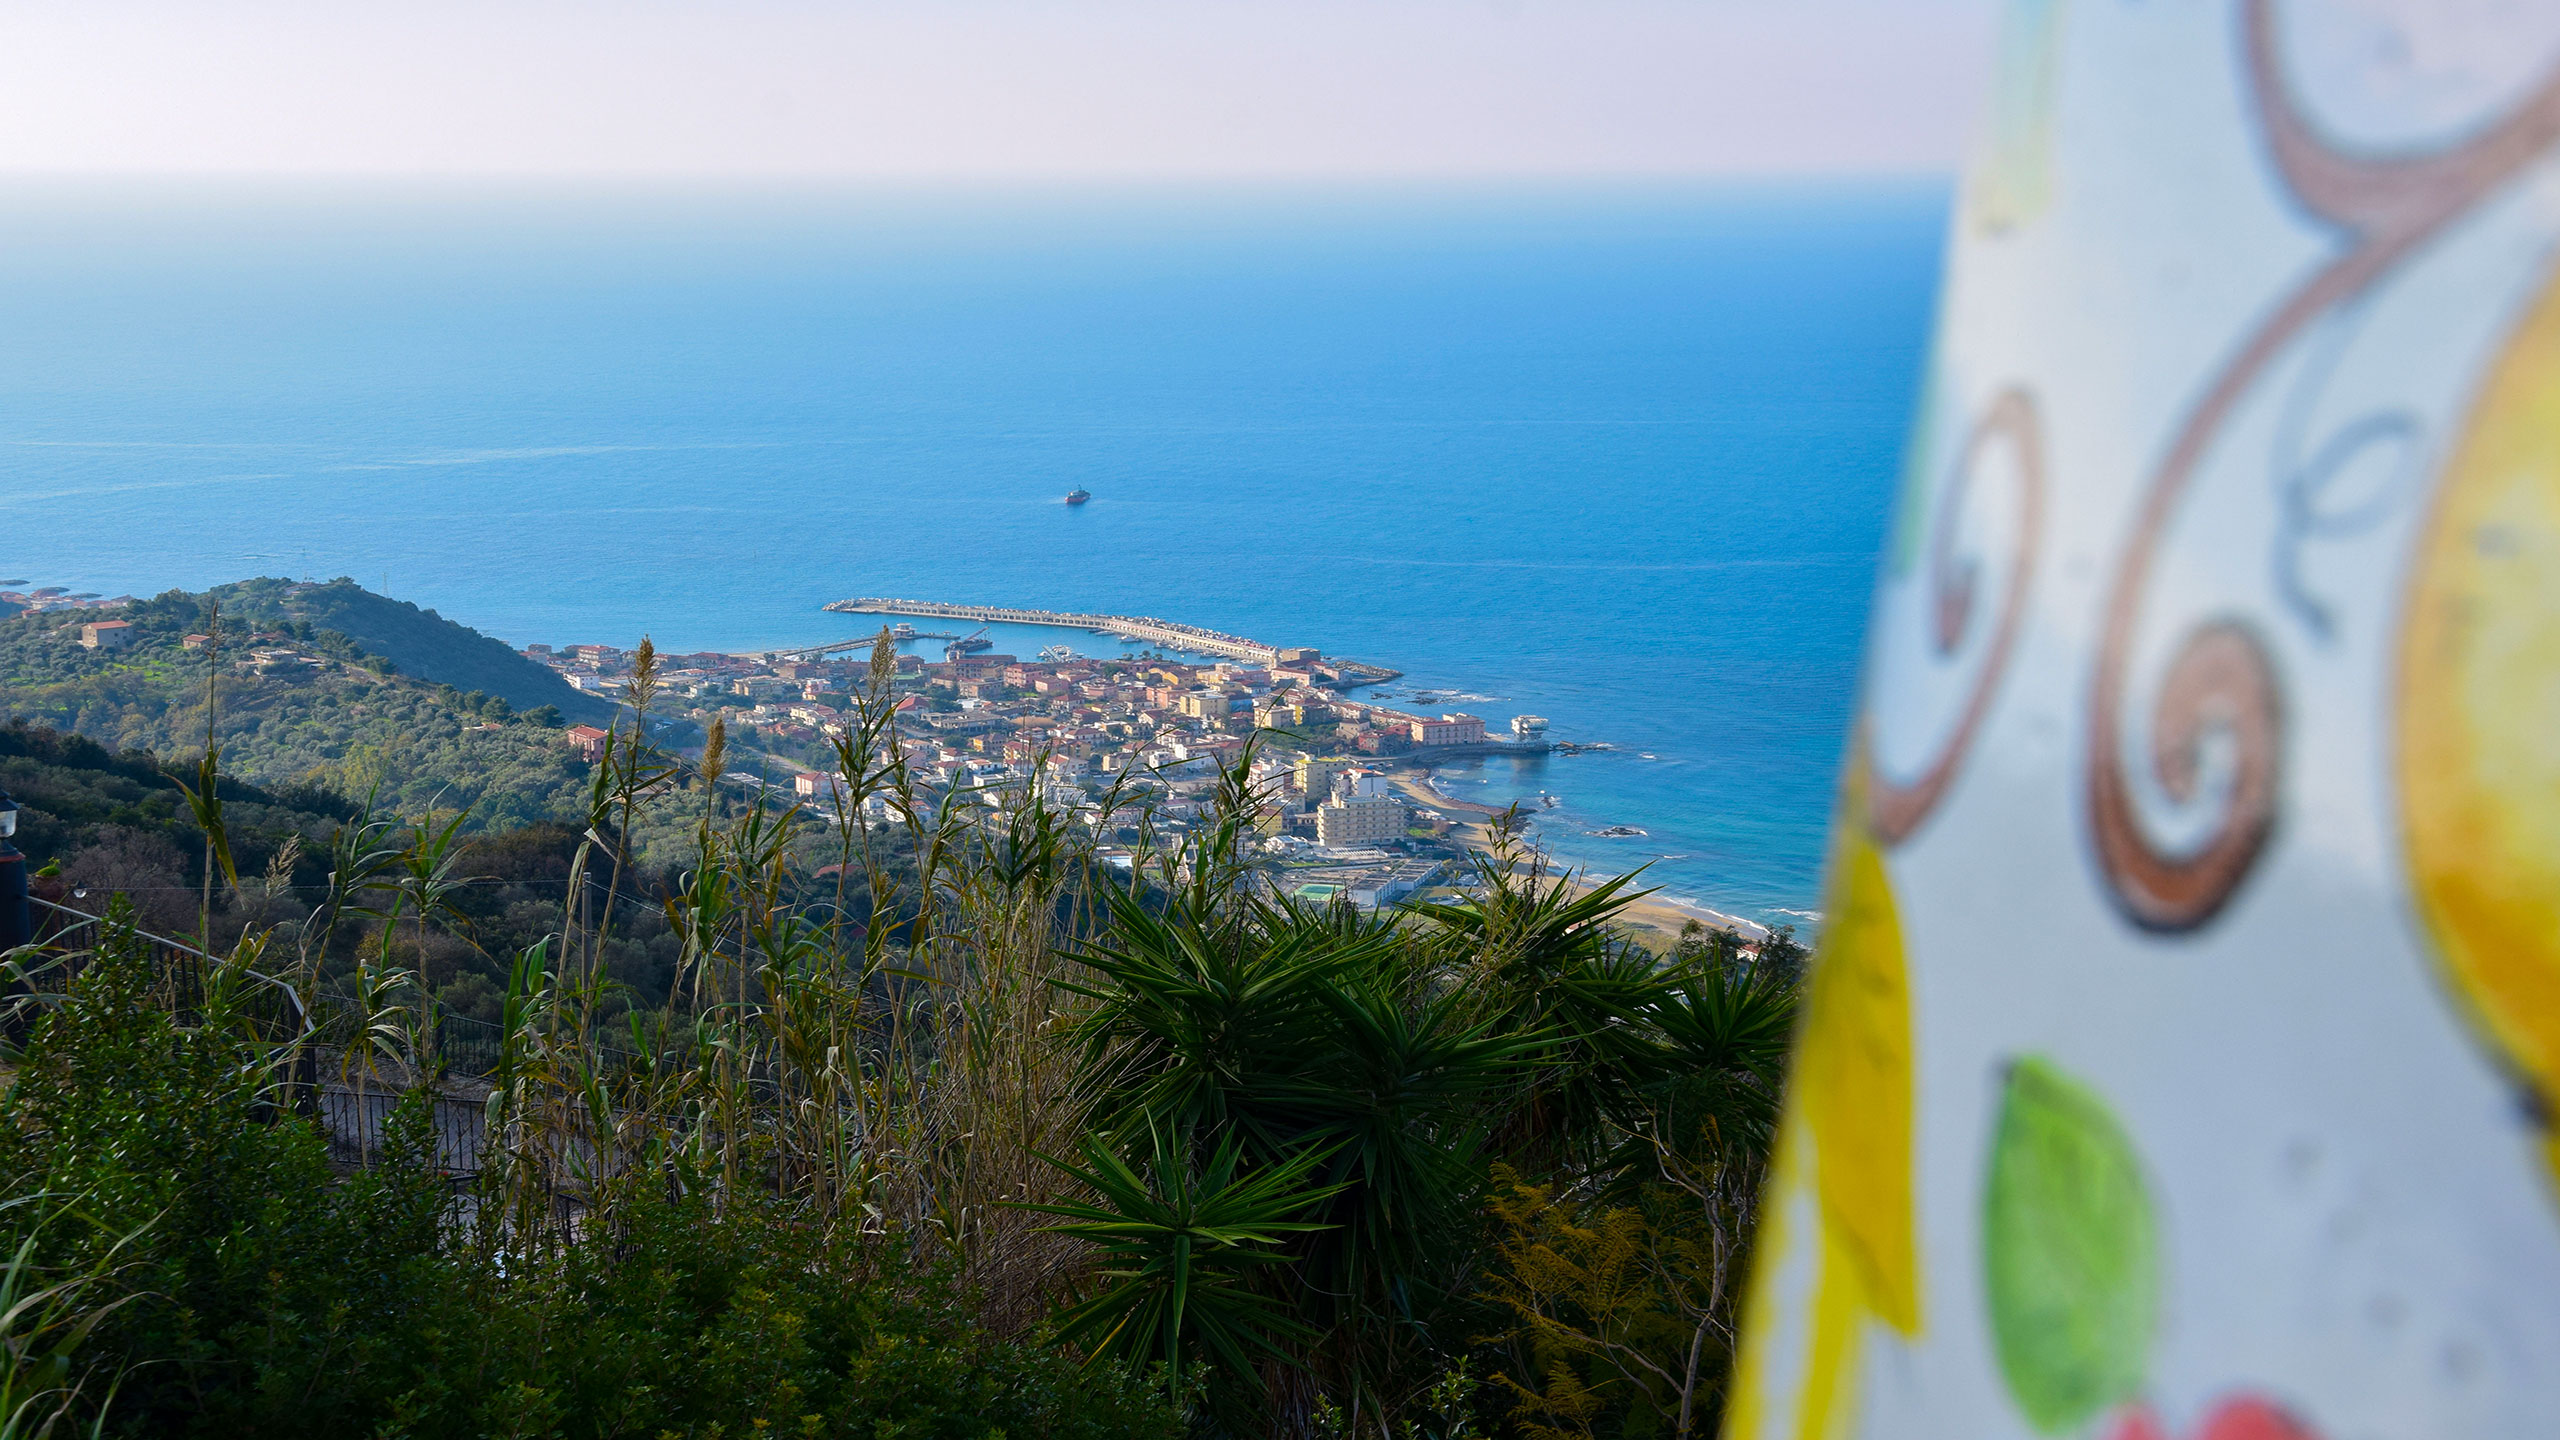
[(329, 1018), (325, 1067), (178, 969)]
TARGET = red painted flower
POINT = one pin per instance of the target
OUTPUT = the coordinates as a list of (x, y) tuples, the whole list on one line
[(2244, 1418)]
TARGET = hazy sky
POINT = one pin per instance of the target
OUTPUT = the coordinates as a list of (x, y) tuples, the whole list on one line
[(986, 89)]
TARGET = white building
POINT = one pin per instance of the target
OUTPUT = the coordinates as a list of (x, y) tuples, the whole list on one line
[(1364, 785), (1347, 822), (1449, 730), (1271, 773)]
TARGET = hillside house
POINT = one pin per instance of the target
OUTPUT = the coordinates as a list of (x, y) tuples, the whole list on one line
[(106, 635)]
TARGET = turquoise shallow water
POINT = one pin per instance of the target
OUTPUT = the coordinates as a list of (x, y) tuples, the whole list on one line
[(1620, 457)]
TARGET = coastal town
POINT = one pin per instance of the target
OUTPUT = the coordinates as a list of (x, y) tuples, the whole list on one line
[(1347, 809), (1133, 745)]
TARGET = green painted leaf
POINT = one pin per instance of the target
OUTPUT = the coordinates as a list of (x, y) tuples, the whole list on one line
[(2070, 1252)]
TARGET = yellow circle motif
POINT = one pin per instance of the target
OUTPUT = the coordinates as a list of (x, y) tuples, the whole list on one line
[(2479, 743)]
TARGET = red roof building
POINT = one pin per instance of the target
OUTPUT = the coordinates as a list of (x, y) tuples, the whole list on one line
[(107, 635)]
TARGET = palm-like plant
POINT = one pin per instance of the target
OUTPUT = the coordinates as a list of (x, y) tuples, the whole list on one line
[(1624, 1292), (1216, 1025), (1273, 1032), (1408, 1090), (1181, 1250), (1725, 1033), (1415, 1053), (1544, 960)]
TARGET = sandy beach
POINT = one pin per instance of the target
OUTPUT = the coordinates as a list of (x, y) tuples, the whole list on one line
[(1657, 919)]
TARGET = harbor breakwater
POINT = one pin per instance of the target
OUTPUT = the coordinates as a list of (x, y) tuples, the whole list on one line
[(1194, 638)]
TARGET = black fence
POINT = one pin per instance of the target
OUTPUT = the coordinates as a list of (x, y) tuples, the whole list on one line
[(64, 938), (447, 1039), (329, 1018), (331, 1070)]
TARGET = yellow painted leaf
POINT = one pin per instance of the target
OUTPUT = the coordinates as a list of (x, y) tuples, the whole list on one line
[(1852, 1084)]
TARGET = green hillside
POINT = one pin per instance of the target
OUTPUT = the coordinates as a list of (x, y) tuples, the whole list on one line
[(118, 822), (318, 709), (419, 642)]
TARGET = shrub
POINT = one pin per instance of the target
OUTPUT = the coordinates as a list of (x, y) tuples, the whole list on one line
[(264, 1293), (265, 1288)]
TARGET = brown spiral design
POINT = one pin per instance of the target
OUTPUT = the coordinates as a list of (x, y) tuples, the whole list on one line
[(2221, 678), (1894, 811)]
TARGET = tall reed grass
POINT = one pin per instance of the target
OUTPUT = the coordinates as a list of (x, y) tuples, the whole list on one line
[(1240, 1144)]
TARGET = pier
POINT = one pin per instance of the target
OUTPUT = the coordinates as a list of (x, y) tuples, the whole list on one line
[(835, 647), (1152, 631)]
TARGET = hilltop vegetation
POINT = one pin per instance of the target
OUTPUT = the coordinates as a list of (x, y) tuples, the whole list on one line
[(119, 823), (324, 710), (418, 642), (96, 824)]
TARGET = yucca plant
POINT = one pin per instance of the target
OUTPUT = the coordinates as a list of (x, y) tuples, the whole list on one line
[(1183, 1250), (1623, 1290), (1282, 1031), (1724, 1033), (1546, 958), (1220, 1024)]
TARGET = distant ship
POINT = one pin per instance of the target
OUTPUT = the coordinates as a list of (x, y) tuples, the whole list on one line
[(1079, 495)]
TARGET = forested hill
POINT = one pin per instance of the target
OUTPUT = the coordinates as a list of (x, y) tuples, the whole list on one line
[(119, 822), (293, 704), (419, 642)]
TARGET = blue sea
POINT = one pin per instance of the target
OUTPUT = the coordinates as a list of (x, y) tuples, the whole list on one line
[(1616, 455)]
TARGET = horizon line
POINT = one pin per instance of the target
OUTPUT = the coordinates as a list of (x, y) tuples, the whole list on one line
[(10, 174)]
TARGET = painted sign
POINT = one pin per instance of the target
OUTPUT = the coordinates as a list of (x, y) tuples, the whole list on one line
[(2183, 1054)]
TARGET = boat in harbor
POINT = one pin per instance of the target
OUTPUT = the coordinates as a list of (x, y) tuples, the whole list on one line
[(902, 631), (1079, 495)]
